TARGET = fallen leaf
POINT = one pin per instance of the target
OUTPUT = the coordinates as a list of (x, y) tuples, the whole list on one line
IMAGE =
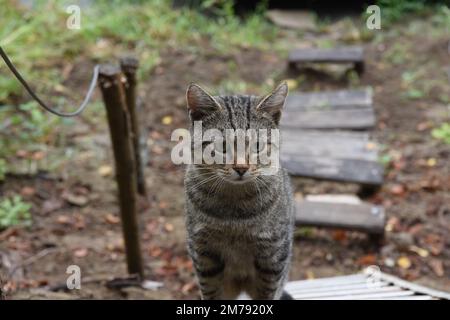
[(292, 83), (157, 150), (155, 251), (63, 219), (78, 200), (186, 288), (112, 219), (404, 262), (339, 235), (169, 227), (81, 252), (431, 162), (163, 205), (27, 191), (38, 155), (437, 266), (105, 170), (166, 120), (367, 260), (51, 205), (420, 251), (397, 189)]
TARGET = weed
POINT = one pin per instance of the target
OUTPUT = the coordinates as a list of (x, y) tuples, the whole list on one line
[(442, 133), (14, 211)]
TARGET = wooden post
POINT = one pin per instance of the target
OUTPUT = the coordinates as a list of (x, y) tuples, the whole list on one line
[(111, 85), (129, 66)]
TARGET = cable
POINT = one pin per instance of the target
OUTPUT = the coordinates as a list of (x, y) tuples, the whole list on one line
[(41, 103)]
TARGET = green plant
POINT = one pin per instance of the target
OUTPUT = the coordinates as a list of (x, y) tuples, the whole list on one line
[(394, 10), (2, 169), (442, 133), (14, 211)]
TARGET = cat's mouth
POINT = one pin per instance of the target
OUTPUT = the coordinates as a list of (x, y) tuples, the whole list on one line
[(239, 179)]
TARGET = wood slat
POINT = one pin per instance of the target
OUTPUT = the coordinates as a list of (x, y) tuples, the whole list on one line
[(329, 100), (346, 170), (333, 55), (318, 283), (335, 144), (351, 109), (357, 118), (363, 217), (369, 296), (411, 286), (331, 288), (346, 292)]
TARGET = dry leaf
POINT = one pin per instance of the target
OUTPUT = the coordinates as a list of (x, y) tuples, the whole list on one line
[(188, 287), (367, 260), (437, 266), (63, 219), (404, 262), (169, 227), (112, 219), (81, 252), (105, 171), (397, 189), (27, 191), (421, 252), (167, 120)]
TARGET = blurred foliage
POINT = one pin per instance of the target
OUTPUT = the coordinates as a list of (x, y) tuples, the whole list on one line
[(27, 126), (40, 45), (394, 10), (442, 133), (14, 211), (2, 169)]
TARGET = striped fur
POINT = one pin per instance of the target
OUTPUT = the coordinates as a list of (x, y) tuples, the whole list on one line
[(239, 235)]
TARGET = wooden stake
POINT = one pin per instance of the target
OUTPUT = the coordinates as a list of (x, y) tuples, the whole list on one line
[(129, 66), (111, 85)]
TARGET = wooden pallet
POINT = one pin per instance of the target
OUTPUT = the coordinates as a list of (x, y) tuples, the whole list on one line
[(353, 55), (344, 109), (331, 155), (368, 285), (363, 217)]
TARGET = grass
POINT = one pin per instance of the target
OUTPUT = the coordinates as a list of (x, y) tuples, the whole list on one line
[(442, 133), (14, 211), (40, 45)]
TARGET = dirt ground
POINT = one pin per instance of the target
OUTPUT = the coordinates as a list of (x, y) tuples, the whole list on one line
[(75, 212)]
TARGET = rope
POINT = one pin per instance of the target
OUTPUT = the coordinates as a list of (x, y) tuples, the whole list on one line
[(42, 103)]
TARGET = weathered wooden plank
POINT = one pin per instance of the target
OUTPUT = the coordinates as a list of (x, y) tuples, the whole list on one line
[(333, 55), (364, 217), (336, 144), (346, 170), (315, 283), (356, 118), (344, 109), (329, 100)]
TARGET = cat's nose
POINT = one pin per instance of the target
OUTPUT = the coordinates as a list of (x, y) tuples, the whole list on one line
[(240, 170)]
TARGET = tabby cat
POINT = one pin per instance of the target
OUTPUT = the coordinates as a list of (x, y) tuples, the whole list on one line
[(239, 221)]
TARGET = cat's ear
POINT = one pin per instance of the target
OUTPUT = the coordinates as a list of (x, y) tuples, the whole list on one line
[(199, 102), (274, 102)]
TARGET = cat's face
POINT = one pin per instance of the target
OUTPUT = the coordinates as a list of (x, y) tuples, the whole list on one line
[(245, 136)]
